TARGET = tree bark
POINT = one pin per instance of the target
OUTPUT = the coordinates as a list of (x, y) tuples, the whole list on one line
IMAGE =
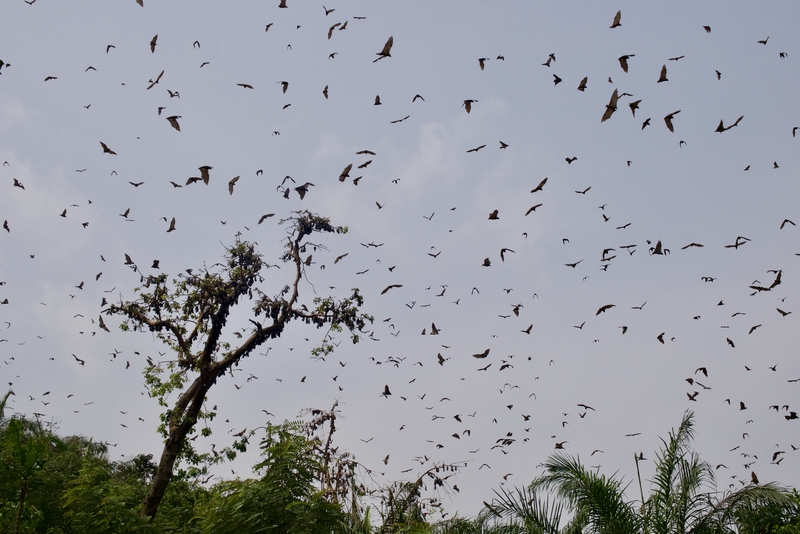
[(23, 493), (180, 426)]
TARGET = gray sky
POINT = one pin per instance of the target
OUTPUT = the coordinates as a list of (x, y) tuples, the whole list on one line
[(436, 198)]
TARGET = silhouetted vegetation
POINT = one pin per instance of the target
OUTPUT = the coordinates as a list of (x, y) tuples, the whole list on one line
[(304, 484)]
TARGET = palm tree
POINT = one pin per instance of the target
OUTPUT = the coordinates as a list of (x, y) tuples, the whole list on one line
[(488, 521), (527, 512), (682, 500), (677, 502), (596, 501)]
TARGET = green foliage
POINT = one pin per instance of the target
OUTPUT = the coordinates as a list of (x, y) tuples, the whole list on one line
[(486, 522), (597, 499), (303, 485), (29, 481), (403, 507), (339, 314), (97, 502), (27, 452), (3, 404), (190, 315), (772, 518), (52, 484), (285, 499), (35, 468), (682, 499), (105, 498), (531, 513)]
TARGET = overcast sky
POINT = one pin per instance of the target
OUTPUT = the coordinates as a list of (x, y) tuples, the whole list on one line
[(426, 200)]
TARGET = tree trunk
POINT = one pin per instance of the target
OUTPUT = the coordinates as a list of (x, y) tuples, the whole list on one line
[(163, 474), (23, 492), (172, 447)]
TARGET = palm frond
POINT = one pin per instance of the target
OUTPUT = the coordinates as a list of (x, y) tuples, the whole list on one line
[(723, 513), (662, 509), (599, 498), (536, 513), (3, 402)]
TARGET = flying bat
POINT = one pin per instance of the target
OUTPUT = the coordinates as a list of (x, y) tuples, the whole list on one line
[(611, 107), (107, 150), (663, 77), (483, 354), (387, 49), (303, 189), (532, 208), (204, 173), (540, 186), (152, 84), (616, 22), (173, 121), (232, 183), (623, 61), (668, 120), (721, 128), (345, 173), (387, 288)]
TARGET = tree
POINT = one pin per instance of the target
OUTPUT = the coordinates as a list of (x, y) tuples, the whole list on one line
[(405, 510), (774, 518), (28, 455), (105, 496), (97, 501), (3, 403), (525, 511), (36, 466), (306, 485), (682, 497), (286, 498), (596, 501), (189, 316)]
